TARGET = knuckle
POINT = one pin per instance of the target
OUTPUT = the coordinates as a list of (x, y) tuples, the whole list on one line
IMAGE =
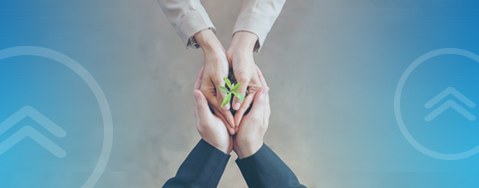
[(240, 74), (253, 89), (210, 91)]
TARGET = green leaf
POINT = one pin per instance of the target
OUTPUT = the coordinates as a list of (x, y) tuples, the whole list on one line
[(228, 83), (240, 96), (226, 100), (223, 89), (235, 88)]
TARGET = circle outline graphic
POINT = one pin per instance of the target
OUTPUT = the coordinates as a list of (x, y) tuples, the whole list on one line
[(397, 103), (95, 88)]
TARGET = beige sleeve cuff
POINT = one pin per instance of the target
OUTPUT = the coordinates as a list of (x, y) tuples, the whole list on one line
[(187, 17), (193, 23), (258, 16)]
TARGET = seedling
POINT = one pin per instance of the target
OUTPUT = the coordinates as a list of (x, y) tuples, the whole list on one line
[(231, 90)]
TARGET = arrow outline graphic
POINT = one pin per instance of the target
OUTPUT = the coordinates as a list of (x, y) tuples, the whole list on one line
[(445, 106), (445, 93), (28, 111), (28, 131), (450, 104)]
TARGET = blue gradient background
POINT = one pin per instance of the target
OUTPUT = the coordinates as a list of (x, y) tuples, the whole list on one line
[(333, 67)]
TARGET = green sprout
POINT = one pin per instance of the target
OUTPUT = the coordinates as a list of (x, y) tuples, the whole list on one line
[(233, 89)]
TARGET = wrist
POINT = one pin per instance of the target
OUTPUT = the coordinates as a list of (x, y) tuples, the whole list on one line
[(244, 41), (208, 41), (217, 144), (249, 150)]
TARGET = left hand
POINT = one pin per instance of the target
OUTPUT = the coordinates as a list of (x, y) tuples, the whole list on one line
[(249, 138), (211, 128), (216, 67), (240, 58)]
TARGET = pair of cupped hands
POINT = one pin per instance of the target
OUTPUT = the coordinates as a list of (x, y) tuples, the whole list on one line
[(217, 125)]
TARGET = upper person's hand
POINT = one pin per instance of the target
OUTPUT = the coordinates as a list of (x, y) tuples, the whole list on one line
[(215, 69), (240, 57), (211, 128), (249, 138)]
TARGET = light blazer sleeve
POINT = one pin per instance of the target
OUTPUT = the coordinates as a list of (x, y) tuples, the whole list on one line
[(187, 17), (203, 168), (258, 16)]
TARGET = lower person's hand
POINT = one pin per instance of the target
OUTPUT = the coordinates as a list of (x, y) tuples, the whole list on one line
[(240, 57), (215, 69), (249, 138), (211, 128)]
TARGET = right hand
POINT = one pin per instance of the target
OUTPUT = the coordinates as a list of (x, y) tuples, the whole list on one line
[(211, 128), (253, 126), (216, 67), (240, 57)]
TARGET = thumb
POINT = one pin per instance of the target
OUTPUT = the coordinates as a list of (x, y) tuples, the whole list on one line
[(241, 90), (259, 104), (202, 110)]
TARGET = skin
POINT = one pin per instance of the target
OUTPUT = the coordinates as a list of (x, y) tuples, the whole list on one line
[(240, 58), (211, 127), (252, 128), (217, 62), (215, 68), (249, 138)]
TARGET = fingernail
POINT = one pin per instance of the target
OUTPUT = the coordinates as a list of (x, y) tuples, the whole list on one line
[(237, 106), (226, 107), (265, 91)]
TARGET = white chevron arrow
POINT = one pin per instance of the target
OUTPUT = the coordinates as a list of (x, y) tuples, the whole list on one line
[(28, 131), (450, 104)]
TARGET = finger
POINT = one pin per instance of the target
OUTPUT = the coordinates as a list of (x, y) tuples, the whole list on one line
[(267, 112), (229, 117), (230, 128), (220, 95), (202, 110), (236, 129), (208, 89), (226, 116), (242, 89), (258, 109), (198, 80), (197, 117), (253, 86), (261, 77), (246, 104)]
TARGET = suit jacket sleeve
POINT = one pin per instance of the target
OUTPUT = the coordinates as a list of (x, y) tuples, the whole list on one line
[(258, 16), (266, 169), (202, 168), (187, 17)]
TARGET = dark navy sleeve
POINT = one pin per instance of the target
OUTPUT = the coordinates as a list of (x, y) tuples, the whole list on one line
[(203, 167), (266, 169)]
